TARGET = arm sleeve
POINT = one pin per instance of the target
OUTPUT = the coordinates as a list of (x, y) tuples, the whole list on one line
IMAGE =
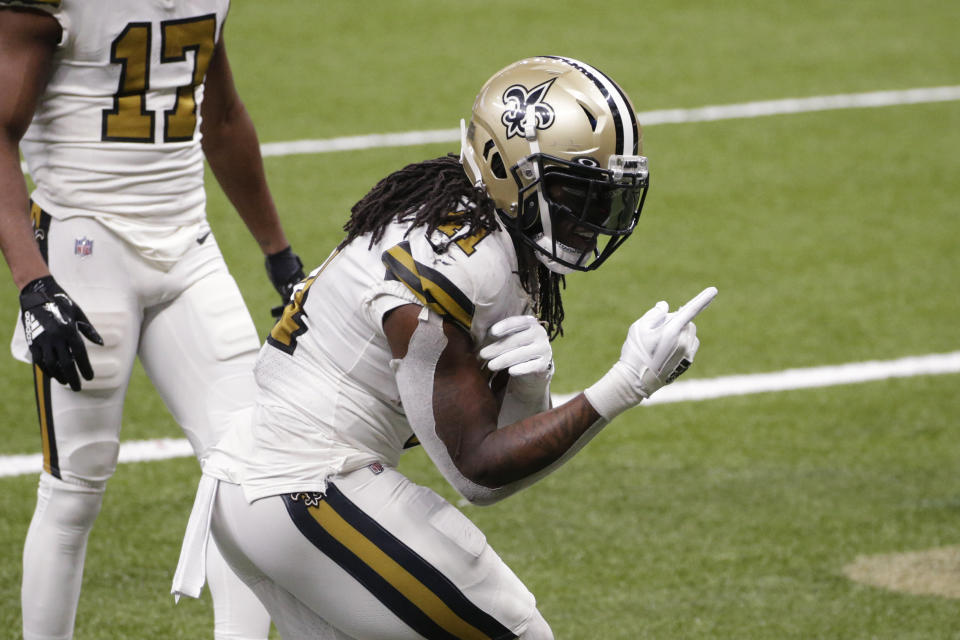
[(516, 406), (415, 373)]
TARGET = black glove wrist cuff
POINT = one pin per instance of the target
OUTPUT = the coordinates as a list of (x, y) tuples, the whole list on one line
[(284, 268), (37, 292), (281, 256)]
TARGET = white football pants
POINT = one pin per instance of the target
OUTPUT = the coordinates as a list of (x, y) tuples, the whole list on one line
[(197, 343), (375, 558)]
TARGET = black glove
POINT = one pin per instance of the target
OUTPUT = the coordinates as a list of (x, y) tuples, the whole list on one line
[(53, 323), (285, 270)]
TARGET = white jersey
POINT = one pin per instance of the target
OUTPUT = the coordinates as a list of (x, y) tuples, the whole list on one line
[(328, 401), (116, 132)]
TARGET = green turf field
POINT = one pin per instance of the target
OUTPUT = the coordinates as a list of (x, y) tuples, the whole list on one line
[(832, 236)]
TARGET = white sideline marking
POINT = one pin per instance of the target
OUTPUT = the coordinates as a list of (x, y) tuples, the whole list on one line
[(646, 118), (682, 391)]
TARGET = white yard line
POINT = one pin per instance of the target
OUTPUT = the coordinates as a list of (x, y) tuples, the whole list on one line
[(829, 376), (801, 105), (681, 391), (133, 451), (646, 118)]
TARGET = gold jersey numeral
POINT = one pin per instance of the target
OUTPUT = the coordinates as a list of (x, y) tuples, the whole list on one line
[(129, 120), (468, 242), (179, 37), (291, 326)]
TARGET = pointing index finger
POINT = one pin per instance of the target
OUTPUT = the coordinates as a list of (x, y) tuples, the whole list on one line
[(689, 311)]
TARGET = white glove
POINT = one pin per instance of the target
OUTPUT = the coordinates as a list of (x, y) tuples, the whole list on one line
[(522, 347), (659, 347)]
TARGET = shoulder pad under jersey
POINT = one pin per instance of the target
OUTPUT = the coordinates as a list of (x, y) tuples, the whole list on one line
[(456, 281)]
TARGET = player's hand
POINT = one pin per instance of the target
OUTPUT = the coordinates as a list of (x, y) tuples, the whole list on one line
[(659, 347), (53, 324), (285, 270), (521, 347)]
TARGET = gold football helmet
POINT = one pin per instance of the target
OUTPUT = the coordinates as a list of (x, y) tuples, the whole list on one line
[(556, 145)]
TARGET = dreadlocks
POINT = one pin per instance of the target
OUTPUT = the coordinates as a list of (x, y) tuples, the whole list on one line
[(431, 194)]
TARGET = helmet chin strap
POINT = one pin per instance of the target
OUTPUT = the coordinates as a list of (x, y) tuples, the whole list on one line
[(560, 250), (550, 245), (545, 241)]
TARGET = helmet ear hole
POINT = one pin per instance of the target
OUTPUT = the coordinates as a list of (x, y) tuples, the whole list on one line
[(497, 168), (590, 117)]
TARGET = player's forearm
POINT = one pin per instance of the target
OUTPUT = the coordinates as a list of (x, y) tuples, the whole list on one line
[(16, 233), (27, 43), (231, 146), (529, 446), (20, 251)]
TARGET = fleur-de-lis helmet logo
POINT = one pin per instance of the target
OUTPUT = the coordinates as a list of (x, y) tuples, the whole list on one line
[(518, 99)]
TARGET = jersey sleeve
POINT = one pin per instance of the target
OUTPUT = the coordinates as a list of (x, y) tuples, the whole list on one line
[(472, 286), (434, 289)]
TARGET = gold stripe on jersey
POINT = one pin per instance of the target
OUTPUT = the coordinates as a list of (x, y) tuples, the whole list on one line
[(431, 287)]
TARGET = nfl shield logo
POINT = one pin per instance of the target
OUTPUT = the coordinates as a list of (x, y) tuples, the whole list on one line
[(83, 247)]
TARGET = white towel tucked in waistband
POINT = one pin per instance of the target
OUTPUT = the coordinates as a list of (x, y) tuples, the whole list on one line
[(191, 571)]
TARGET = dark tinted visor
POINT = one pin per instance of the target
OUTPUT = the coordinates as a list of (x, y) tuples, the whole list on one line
[(608, 207)]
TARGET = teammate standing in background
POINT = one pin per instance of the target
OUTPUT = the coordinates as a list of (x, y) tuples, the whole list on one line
[(431, 325), (105, 101)]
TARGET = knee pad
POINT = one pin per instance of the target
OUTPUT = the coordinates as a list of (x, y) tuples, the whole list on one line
[(81, 435), (80, 431), (71, 505)]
